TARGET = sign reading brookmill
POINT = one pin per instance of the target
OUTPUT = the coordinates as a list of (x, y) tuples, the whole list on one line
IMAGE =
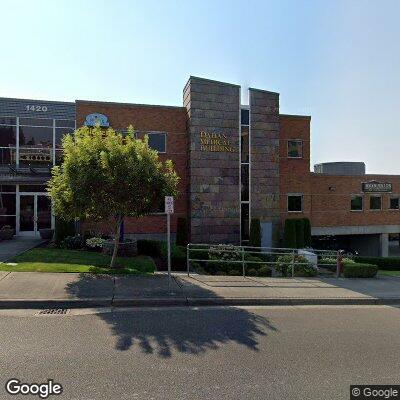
[(374, 186), (217, 142)]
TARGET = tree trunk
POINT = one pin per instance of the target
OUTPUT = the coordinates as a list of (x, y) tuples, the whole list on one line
[(116, 241)]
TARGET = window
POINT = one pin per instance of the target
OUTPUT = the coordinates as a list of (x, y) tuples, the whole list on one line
[(356, 203), (295, 202), (158, 141), (394, 203), (295, 149), (245, 182), (244, 144), (245, 221), (375, 203), (244, 116)]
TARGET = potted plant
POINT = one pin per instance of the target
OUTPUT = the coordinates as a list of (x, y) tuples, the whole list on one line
[(6, 232), (46, 234)]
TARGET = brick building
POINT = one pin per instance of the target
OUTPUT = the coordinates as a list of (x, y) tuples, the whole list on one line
[(236, 162)]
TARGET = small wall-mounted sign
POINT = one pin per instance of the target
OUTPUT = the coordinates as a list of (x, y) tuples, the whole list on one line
[(374, 186), (97, 119)]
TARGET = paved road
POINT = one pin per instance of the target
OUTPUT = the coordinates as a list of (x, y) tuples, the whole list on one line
[(206, 353)]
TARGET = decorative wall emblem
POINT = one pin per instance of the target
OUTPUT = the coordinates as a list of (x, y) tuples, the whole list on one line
[(97, 119)]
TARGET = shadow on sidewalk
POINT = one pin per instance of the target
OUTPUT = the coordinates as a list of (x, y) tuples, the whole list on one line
[(163, 331)]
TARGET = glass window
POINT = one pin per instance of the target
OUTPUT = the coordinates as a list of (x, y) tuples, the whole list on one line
[(356, 203), (244, 116), (7, 188), (36, 122), (295, 148), (32, 188), (157, 141), (245, 182), (7, 144), (295, 203), (8, 121), (60, 132), (394, 203), (7, 204), (35, 137), (245, 221), (245, 144), (65, 123), (375, 202), (7, 221), (8, 136)]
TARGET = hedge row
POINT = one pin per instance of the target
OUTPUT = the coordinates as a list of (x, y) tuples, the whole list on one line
[(297, 233), (388, 263), (359, 270)]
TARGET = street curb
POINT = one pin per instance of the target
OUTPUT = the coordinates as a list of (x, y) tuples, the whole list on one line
[(191, 302)]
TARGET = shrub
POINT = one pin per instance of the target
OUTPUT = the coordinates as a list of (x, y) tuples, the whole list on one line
[(255, 233), (73, 242), (307, 232), (300, 243), (234, 272), (62, 230), (182, 232), (359, 270), (178, 256), (265, 271), (290, 233), (252, 272), (149, 247), (301, 266), (388, 263), (95, 243)]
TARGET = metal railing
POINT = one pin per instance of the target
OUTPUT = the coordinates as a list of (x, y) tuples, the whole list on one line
[(245, 256)]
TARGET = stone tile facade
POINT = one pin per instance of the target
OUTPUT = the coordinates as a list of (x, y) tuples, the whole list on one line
[(213, 133), (264, 132)]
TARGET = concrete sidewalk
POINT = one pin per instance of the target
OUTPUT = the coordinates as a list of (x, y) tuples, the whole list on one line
[(17, 245), (46, 290)]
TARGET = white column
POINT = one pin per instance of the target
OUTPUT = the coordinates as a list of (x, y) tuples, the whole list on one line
[(384, 244)]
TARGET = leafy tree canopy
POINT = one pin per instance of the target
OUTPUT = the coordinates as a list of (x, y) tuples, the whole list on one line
[(107, 175)]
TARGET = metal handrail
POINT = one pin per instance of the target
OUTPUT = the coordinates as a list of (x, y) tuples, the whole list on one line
[(246, 250)]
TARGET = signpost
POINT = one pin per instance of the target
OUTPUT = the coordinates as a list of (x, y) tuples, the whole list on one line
[(169, 209)]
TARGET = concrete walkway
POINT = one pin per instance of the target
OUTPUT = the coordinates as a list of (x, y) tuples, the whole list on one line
[(44, 290), (17, 245)]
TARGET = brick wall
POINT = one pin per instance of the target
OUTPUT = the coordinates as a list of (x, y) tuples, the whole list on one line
[(326, 197), (171, 120)]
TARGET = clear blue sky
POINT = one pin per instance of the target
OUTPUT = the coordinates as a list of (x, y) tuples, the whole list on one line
[(338, 61)]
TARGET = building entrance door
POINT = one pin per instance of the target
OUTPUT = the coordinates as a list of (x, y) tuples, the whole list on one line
[(34, 213)]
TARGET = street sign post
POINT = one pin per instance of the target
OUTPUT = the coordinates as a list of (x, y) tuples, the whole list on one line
[(169, 209)]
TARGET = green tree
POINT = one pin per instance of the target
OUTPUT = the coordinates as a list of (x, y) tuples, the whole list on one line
[(255, 233), (300, 233), (182, 232), (107, 176), (307, 232), (290, 233)]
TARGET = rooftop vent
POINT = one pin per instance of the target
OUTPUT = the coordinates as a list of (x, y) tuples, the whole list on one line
[(340, 168)]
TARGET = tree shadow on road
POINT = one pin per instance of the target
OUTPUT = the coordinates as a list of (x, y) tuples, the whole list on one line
[(167, 330)]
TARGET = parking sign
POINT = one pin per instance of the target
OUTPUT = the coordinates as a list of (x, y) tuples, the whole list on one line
[(169, 205)]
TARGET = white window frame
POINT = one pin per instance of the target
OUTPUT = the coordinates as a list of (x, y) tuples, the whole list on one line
[(302, 202), (302, 147), (362, 202), (394, 197), (375, 195), (165, 139)]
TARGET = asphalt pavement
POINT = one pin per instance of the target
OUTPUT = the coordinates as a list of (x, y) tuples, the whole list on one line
[(208, 353)]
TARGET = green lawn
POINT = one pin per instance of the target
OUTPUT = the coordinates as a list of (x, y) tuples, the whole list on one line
[(385, 272), (61, 260)]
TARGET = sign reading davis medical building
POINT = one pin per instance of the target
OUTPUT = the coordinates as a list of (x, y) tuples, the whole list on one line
[(374, 186), (218, 142)]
